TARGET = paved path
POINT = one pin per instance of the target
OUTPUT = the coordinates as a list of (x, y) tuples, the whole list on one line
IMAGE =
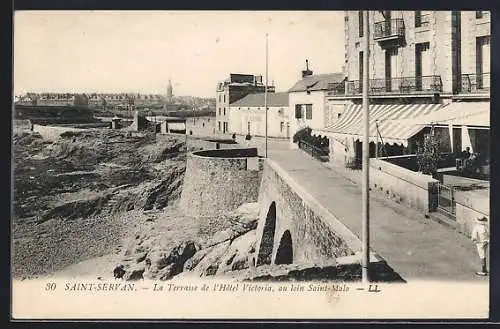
[(416, 247)]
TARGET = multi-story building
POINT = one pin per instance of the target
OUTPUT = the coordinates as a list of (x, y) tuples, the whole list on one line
[(420, 62), (232, 89), (248, 115), (308, 101)]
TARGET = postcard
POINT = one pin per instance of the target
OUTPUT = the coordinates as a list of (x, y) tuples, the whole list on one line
[(250, 165)]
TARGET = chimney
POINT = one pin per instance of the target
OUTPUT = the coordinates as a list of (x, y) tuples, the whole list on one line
[(306, 72)]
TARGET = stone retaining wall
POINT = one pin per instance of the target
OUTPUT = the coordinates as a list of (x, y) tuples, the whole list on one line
[(405, 186), (470, 205), (219, 181), (317, 236)]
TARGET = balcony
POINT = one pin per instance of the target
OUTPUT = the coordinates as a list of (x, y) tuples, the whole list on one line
[(398, 86), (389, 33), (476, 83), (336, 89)]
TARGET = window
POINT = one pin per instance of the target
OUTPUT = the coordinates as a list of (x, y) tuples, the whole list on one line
[(220, 113), (282, 126), (220, 98), (224, 98), (218, 124), (483, 62), (360, 19), (422, 18), (423, 65), (481, 14), (418, 18), (224, 111), (298, 111), (391, 69), (309, 112)]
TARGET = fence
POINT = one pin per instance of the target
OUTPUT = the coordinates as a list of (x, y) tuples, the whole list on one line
[(446, 200), (316, 152)]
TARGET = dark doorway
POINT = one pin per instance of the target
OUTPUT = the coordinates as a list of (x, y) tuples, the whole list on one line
[(284, 255), (267, 242)]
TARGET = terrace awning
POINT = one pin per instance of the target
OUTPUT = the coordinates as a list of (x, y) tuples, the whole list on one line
[(395, 122), (471, 114)]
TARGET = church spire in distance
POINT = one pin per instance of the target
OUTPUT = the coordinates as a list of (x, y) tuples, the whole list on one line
[(169, 90)]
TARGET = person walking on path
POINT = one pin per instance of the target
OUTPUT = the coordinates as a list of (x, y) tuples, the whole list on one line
[(481, 237)]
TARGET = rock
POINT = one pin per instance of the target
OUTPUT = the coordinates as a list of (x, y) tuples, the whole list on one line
[(192, 262), (211, 269), (134, 274), (141, 257), (157, 259), (167, 272), (247, 213), (174, 260), (181, 253), (222, 236), (211, 261), (239, 252), (242, 263)]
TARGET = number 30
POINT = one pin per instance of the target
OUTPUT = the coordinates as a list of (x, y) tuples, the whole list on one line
[(50, 286)]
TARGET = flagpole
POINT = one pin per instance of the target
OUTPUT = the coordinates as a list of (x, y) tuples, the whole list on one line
[(365, 261), (265, 91)]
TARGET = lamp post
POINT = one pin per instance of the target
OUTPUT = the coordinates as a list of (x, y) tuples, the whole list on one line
[(365, 259), (265, 91)]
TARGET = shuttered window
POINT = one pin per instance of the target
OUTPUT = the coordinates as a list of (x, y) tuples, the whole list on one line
[(309, 111), (360, 22), (298, 111)]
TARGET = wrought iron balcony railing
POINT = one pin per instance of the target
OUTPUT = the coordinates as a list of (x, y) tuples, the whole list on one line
[(476, 83), (336, 88), (393, 28), (405, 85)]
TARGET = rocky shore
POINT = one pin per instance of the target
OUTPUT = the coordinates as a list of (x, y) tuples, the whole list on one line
[(107, 195)]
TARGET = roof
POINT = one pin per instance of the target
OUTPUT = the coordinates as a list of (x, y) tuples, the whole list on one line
[(254, 100), (317, 82)]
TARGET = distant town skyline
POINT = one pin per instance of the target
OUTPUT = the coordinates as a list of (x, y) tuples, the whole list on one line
[(139, 51)]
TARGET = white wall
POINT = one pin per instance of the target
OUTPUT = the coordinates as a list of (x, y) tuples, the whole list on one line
[(405, 186), (341, 152), (277, 121), (334, 108), (318, 120)]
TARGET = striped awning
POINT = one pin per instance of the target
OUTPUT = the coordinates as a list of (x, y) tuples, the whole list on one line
[(471, 114), (392, 122)]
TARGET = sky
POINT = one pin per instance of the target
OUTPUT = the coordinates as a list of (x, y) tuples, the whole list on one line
[(139, 51)]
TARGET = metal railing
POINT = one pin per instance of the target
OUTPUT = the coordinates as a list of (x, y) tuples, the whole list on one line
[(476, 83), (405, 85), (446, 200), (389, 28), (336, 88), (314, 151)]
